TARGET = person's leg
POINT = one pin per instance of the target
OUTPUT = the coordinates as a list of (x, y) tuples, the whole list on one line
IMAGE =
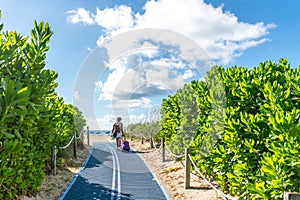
[(117, 141)]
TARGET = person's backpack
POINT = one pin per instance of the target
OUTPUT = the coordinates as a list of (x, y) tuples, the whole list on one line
[(116, 128)]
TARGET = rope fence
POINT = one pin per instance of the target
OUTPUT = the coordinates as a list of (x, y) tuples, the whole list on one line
[(143, 138), (70, 142), (161, 148), (174, 155), (188, 162), (73, 141)]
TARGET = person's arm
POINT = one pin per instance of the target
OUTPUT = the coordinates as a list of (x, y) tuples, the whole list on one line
[(112, 130), (123, 132)]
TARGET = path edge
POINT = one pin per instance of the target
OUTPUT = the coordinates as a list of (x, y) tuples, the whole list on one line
[(153, 174), (76, 176)]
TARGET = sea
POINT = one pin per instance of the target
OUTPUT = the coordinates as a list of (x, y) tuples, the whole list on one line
[(98, 131)]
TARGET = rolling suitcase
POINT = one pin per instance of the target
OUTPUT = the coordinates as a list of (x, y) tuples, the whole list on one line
[(125, 145)]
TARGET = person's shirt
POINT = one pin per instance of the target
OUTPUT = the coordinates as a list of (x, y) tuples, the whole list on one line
[(120, 124)]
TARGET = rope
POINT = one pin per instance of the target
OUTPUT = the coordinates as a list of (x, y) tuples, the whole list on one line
[(174, 155), (211, 185), (79, 136), (196, 168), (142, 136), (67, 144)]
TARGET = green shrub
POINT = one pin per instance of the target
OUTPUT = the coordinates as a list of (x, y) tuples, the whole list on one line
[(247, 128), (32, 117)]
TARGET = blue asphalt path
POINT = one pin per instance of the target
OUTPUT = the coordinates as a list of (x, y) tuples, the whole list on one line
[(114, 175)]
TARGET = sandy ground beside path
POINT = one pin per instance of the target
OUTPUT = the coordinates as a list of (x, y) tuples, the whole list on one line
[(53, 186), (170, 174)]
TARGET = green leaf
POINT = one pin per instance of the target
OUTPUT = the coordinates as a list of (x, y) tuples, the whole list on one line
[(230, 176), (8, 135), (22, 95)]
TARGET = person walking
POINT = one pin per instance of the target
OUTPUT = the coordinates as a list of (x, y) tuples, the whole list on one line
[(118, 131)]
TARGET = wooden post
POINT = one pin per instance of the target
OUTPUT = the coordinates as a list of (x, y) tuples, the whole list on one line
[(88, 135), (163, 149), (151, 141), (74, 144), (142, 140), (53, 163), (187, 169)]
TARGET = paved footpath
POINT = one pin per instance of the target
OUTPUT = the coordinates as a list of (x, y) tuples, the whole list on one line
[(114, 174)]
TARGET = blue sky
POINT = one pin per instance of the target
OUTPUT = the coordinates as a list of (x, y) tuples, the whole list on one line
[(122, 57)]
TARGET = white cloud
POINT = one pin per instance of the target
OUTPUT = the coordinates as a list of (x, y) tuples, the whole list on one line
[(172, 62), (76, 95), (80, 15), (140, 103), (132, 79), (106, 122), (89, 49), (137, 118), (98, 85), (188, 74), (114, 18), (188, 31), (103, 123), (108, 88), (218, 32)]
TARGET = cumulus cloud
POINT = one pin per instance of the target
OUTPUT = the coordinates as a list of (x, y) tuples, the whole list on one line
[(80, 15), (188, 74), (132, 79), (101, 123), (114, 18), (218, 32), (144, 63), (138, 118), (98, 85), (140, 103)]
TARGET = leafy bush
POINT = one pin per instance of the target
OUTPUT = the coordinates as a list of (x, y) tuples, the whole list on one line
[(248, 125), (32, 116)]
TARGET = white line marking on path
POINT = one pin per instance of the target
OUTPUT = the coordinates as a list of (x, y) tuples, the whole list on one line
[(116, 163)]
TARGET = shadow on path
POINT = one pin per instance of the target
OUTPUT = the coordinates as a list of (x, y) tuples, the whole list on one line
[(86, 190)]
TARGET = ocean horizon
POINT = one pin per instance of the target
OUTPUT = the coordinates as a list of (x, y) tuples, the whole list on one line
[(98, 131)]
